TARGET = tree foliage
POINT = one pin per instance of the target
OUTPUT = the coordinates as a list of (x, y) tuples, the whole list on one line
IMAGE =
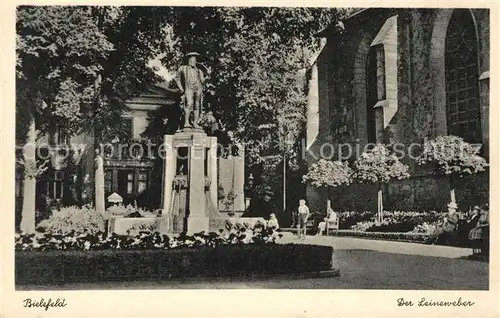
[(379, 166), (77, 65), (98, 57), (60, 53), (452, 156), (326, 173), (257, 58)]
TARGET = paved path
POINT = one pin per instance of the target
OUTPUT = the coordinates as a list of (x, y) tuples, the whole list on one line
[(352, 243), (363, 264)]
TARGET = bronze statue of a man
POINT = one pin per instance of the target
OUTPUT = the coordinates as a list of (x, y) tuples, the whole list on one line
[(190, 80)]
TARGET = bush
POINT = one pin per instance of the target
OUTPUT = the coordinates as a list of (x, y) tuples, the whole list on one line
[(73, 220), (451, 155), (54, 267)]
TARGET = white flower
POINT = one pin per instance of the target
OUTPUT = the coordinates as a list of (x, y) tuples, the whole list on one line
[(248, 237), (201, 240)]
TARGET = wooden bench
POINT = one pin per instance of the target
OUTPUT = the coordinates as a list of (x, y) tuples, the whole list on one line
[(311, 227)]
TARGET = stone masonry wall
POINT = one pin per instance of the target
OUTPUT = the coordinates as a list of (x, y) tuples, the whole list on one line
[(342, 106)]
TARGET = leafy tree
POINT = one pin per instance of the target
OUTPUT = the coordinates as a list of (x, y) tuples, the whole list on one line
[(256, 88), (329, 174), (75, 67), (379, 166), (451, 156), (97, 57), (126, 73), (60, 52)]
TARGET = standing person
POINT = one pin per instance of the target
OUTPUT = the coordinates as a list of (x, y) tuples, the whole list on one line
[(303, 215)]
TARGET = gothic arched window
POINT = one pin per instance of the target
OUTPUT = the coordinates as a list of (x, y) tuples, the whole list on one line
[(381, 81), (375, 89), (462, 78)]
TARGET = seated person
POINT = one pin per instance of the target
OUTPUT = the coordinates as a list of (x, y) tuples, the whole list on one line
[(273, 221), (480, 230), (474, 217), (330, 216), (447, 231), (466, 224)]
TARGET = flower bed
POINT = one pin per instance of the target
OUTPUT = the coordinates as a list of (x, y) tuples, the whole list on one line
[(394, 221), (394, 236), (144, 240)]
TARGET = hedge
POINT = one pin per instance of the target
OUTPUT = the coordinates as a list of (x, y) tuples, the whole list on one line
[(55, 267)]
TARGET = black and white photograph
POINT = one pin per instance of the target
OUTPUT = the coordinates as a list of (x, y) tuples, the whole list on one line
[(251, 147)]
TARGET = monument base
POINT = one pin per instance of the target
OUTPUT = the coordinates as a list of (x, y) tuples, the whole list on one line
[(196, 224), (164, 224)]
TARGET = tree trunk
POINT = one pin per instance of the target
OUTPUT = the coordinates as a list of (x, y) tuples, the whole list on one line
[(452, 190), (340, 198), (29, 192), (284, 181), (328, 198), (380, 207), (232, 187)]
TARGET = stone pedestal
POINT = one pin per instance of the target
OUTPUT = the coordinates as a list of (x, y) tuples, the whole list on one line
[(196, 224), (200, 156), (197, 218)]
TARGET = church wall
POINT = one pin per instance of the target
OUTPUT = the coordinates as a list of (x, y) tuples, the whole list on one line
[(419, 110)]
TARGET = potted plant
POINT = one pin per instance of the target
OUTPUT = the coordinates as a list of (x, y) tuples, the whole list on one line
[(329, 175), (379, 166), (451, 156)]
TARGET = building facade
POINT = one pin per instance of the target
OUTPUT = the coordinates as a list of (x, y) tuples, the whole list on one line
[(128, 169), (400, 76)]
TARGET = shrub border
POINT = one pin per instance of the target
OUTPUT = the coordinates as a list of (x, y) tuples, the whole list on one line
[(58, 267)]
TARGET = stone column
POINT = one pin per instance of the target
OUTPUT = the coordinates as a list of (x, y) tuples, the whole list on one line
[(197, 219), (169, 163), (212, 174)]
